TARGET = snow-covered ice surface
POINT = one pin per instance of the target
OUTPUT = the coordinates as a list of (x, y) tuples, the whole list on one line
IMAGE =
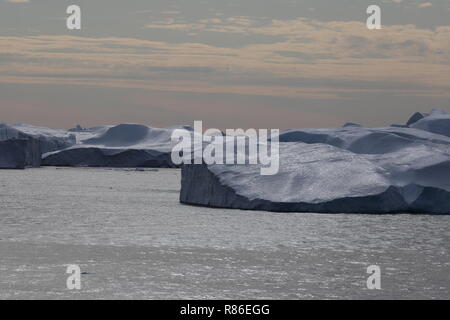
[(352, 169), (124, 145), (22, 145), (355, 169), (438, 121), (134, 240), (49, 139)]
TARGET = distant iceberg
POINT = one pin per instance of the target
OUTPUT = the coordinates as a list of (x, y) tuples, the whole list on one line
[(22, 145), (438, 121), (20, 153), (49, 139), (84, 156), (124, 145), (354, 169)]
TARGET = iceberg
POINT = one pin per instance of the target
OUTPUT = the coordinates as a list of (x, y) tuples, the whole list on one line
[(438, 121), (326, 179), (123, 145), (363, 140), (19, 153), (22, 145), (414, 118), (106, 157), (353, 169), (49, 139)]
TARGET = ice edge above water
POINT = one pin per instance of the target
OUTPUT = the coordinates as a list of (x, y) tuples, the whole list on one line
[(355, 169)]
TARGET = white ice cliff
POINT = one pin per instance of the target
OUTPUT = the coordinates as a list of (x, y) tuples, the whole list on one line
[(49, 139), (19, 153), (22, 145), (124, 145), (353, 169)]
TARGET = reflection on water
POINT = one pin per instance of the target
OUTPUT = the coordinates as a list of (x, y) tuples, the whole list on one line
[(129, 226)]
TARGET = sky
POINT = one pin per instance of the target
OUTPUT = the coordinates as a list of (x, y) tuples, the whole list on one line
[(230, 63)]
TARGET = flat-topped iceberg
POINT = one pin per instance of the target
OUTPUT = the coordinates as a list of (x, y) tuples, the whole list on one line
[(362, 140), (323, 178), (20, 153), (83, 156), (21, 145), (49, 139), (124, 145), (353, 169)]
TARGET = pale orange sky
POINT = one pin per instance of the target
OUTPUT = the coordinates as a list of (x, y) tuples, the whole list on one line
[(277, 64)]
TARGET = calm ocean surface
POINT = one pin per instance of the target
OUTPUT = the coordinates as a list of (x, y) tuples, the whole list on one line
[(134, 240)]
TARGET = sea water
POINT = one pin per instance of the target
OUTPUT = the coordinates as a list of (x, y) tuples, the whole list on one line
[(132, 239)]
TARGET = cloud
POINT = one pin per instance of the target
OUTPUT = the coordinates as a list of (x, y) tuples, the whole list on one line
[(310, 49), (425, 5), (17, 1)]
